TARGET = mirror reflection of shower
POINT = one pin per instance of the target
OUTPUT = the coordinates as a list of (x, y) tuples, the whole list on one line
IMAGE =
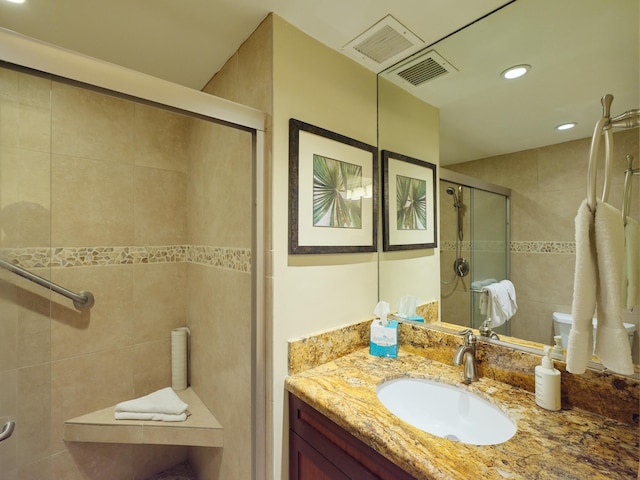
[(477, 229), (460, 264)]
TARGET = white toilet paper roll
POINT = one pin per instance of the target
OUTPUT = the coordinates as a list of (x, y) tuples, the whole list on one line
[(179, 357)]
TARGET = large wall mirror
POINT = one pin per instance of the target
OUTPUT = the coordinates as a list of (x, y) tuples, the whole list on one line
[(499, 132)]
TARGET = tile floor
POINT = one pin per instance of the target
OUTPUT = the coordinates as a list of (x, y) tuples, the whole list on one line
[(182, 471)]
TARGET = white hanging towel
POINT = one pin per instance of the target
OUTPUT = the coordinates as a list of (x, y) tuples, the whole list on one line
[(598, 283), (631, 285), (499, 302)]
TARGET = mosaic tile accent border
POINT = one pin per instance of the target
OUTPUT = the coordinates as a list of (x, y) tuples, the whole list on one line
[(448, 245), (230, 258), (515, 247), (223, 257), (544, 247)]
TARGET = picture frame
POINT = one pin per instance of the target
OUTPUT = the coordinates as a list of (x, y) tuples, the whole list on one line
[(333, 198), (410, 214)]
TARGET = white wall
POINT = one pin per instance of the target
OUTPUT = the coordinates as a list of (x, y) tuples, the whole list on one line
[(313, 293), (409, 127)]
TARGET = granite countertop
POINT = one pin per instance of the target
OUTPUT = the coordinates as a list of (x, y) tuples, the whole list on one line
[(569, 444)]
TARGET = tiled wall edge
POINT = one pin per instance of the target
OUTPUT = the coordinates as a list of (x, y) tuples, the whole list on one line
[(515, 247), (41, 257)]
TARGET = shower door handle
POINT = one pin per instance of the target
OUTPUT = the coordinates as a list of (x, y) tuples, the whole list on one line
[(7, 430)]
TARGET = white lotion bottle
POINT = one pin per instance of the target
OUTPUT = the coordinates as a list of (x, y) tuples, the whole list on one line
[(547, 383)]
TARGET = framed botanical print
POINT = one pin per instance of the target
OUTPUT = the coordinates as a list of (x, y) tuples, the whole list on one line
[(410, 215), (332, 192)]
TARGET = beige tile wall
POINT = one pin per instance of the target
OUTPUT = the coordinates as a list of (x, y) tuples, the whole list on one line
[(547, 186), (25, 140), (113, 177), (24, 308)]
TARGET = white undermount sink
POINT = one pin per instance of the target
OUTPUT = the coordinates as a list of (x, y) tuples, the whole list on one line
[(446, 411)]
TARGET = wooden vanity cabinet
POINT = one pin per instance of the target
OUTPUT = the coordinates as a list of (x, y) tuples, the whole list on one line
[(321, 450)]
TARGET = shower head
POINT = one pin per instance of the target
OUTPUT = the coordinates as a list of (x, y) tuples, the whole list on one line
[(451, 191), (457, 205)]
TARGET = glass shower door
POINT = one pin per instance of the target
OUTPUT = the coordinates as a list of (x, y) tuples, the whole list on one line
[(25, 239), (489, 249)]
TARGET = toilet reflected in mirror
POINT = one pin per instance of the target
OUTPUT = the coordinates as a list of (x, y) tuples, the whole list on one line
[(562, 326)]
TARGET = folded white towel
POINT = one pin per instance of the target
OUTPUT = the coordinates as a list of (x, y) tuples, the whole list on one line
[(500, 302), (598, 280), (162, 401), (631, 286), (478, 284), (160, 417)]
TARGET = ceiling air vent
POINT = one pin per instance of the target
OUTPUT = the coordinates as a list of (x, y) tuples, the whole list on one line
[(423, 68), (426, 70), (383, 44)]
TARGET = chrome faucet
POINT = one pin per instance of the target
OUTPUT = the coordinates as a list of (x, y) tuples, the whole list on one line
[(485, 331), (466, 356)]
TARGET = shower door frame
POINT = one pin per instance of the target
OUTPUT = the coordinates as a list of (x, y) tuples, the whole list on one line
[(475, 183), (21, 51)]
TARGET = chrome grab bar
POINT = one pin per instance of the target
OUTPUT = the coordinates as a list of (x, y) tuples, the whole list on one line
[(7, 430), (81, 300)]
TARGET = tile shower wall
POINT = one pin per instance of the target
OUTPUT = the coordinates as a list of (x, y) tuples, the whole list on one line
[(117, 200), (547, 186), (455, 297), (219, 299)]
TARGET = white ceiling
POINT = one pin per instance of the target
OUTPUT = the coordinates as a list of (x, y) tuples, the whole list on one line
[(576, 56), (188, 41)]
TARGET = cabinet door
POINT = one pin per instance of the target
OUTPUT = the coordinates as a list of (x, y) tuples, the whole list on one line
[(345, 455), (306, 463)]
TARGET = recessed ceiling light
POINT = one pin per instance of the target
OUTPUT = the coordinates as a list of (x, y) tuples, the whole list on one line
[(15, 1), (515, 71), (566, 126)]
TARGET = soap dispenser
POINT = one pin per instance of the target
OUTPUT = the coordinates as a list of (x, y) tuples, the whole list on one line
[(547, 383)]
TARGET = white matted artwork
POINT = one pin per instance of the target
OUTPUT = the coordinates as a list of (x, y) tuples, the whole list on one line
[(332, 192), (410, 215)]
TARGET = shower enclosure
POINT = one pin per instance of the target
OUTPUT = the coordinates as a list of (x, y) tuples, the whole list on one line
[(137, 201), (474, 246)]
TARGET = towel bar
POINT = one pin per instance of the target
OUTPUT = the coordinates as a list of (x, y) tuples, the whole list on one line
[(81, 300)]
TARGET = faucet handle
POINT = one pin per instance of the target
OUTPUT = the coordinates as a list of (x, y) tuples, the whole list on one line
[(469, 337)]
